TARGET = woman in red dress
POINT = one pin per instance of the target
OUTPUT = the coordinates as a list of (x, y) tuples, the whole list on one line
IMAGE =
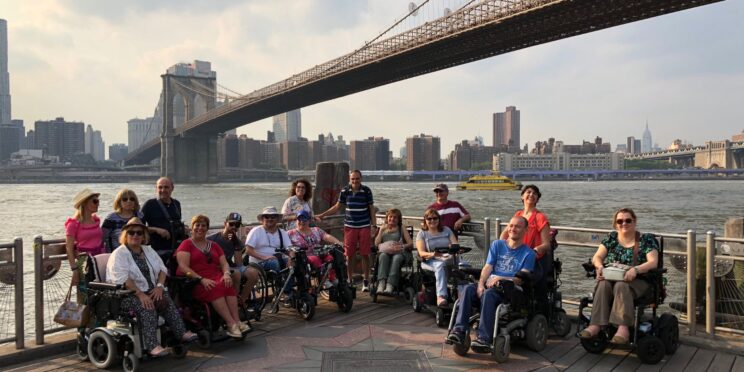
[(204, 260)]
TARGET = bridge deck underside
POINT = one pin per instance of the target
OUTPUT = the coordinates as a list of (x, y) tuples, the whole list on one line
[(558, 20)]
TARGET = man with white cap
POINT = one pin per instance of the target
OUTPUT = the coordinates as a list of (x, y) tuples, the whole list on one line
[(452, 213)]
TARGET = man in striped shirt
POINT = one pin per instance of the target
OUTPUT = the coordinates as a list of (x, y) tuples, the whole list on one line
[(358, 222), (452, 213)]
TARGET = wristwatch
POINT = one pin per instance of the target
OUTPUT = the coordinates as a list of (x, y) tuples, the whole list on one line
[(160, 285)]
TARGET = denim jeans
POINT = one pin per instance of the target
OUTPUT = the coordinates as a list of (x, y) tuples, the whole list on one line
[(390, 266), (440, 273), (488, 304)]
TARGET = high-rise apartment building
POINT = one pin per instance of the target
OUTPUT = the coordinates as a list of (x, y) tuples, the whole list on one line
[(422, 152), (633, 145), (4, 75), (506, 128), (118, 151), (59, 137), (140, 131), (94, 144), (372, 153), (288, 126), (473, 155)]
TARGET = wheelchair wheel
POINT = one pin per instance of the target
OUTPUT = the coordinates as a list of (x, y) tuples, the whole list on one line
[(650, 349), (81, 348), (440, 318), (179, 351), (410, 294), (204, 339), (102, 349), (561, 323), (130, 363), (668, 332), (595, 345), (346, 299), (462, 349), (416, 303), (306, 307), (260, 293), (501, 349), (537, 333)]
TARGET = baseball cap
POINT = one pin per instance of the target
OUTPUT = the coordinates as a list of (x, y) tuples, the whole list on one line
[(234, 217), (441, 186), (302, 215)]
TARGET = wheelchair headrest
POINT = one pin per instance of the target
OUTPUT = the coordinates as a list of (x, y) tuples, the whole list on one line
[(99, 266)]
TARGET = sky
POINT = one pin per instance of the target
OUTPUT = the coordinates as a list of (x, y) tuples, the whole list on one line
[(100, 63)]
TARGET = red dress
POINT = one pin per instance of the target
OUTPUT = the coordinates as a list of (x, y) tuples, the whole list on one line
[(202, 267)]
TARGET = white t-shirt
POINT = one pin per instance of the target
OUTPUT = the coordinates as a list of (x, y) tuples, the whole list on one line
[(265, 243)]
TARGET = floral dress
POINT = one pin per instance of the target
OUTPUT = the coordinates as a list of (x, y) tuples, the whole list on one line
[(616, 253)]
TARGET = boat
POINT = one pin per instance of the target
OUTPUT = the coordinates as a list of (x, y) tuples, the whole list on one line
[(490, 182)]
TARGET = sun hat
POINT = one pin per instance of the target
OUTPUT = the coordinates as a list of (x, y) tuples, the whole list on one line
[(82, 196), (268, 211), (133, 222)]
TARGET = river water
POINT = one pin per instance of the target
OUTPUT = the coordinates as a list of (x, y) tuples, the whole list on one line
[(661, 206)]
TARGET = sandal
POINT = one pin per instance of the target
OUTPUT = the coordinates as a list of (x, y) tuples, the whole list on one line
[(619, 340), (158, 352), (189, 337)]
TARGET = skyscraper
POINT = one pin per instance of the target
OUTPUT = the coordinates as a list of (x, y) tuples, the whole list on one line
[(370, 154), (59, 138), (506, 128), (423, 152), (288, 126), (4, 76), (647, 144), (94, 144)]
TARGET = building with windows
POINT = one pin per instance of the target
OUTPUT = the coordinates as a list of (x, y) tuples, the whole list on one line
[(505, 162), (5, 116), (647, 144), (506, 128), (59, 137), (288, 126), (422, 152), (372, 153), (118, 151), (94, 144), (140, 131)]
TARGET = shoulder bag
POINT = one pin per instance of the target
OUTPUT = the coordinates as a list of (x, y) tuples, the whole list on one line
[(72, 314)]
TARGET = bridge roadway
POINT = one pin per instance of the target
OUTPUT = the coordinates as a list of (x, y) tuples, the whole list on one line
[(480, 31), (284, 342)]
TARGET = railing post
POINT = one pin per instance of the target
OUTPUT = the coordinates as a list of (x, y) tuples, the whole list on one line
[(486, 237), (498, 228), (19, 319), (710, 284), (39, 289), (691, 282)]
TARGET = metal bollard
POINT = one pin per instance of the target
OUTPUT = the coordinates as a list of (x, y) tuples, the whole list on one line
[(710, 283), (691, 282), (487, 237), (39, 289), (18, 258), (498, 228)]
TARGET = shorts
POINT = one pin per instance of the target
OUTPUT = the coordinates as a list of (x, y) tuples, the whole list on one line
[(354, 236)]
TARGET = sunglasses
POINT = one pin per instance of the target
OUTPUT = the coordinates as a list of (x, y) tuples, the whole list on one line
[(124, 200), (432, 218), (270, 217), (234, 224), (627, 221), (135, 232), (95, 201)]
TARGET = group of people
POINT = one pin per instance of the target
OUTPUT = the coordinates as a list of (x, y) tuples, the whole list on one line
[(146, 241)]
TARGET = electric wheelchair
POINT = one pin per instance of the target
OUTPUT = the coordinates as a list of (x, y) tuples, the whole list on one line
[(115, 334), (651, 336), (405, 284), (340, 291), (552, 307), (516, 319), (458, 273), (294, 281)]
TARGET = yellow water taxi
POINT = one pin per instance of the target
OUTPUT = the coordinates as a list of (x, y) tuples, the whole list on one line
[(490, 182)]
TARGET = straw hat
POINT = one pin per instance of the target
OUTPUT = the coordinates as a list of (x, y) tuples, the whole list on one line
[(268, 211), (133, 222), (82, 196)]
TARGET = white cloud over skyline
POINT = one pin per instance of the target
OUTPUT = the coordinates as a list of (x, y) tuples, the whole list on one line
[(100, 62)]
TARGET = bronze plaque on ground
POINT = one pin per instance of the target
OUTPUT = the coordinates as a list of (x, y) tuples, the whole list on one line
[(383, 361)]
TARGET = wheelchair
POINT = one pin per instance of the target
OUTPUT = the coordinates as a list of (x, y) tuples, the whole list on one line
[(553, 304), (516, 319), (340, 292), (458, 273), (405, 284), (651, 336), (296, 278), (116, 334), (252, 307)]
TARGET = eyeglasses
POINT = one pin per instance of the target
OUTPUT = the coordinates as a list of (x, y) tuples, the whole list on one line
[(270, 217), (135, 232), (234, 224), (432, 218), (627, 221), (124, 200)]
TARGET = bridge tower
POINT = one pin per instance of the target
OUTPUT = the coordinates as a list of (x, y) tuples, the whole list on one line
[(187, 159)]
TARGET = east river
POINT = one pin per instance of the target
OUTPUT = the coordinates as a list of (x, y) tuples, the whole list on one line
[(662, 206)]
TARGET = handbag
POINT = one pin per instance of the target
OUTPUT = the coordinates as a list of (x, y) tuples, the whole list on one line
[(72, 314), (391, 247)]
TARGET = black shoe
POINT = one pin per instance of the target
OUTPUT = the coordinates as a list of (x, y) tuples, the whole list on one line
[(456, 337), (481, 346)]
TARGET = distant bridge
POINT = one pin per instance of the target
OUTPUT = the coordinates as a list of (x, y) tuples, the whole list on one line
[(479, 31), (715, 154)]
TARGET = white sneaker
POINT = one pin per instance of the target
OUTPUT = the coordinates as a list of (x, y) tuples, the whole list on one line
[(389, 289), (234, 331), (365, 285), (381, 285)]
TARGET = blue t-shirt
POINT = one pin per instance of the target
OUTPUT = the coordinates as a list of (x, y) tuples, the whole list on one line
[(508, 262), (357, 206)]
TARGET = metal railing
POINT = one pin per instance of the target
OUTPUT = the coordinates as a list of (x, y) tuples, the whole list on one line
[(11, 280), (52, 277)]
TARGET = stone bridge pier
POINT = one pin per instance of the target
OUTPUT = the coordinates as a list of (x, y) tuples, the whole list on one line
[(718, 154), (189, 159)]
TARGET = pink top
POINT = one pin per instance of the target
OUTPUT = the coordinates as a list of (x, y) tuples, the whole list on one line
[(309, 241), (88, 238)]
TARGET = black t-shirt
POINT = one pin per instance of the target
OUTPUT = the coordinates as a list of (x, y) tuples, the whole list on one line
[(153, 216), (227, 246)]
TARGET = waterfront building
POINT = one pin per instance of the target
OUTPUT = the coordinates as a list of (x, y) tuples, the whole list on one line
[(30, 140), (250, 152), (230, 156), (472, 154), (288, 126), (141, 131), (9, 142), (294, 155), (5, 116), (647, 144), (738, 137), (423, 152), (372, 153), (271, 155), (94, 144), (118, 151), (59, 137), (505, 162), (506, 128), (621, 147), (633, 145)]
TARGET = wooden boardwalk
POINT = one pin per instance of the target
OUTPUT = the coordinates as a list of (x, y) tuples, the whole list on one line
[(285, 342)]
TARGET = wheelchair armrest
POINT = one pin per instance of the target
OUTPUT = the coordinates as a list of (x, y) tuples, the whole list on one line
[(526, 277), (101, 286), (591, 271)]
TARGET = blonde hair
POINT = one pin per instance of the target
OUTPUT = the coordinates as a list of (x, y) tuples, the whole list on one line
[(129, 194), (123, 236), (199, 218)]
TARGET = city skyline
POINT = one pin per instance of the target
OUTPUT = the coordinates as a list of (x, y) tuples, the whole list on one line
[(679, 71)]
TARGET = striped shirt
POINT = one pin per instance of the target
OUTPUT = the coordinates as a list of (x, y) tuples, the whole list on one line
[(357, 206), (450, 212)]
